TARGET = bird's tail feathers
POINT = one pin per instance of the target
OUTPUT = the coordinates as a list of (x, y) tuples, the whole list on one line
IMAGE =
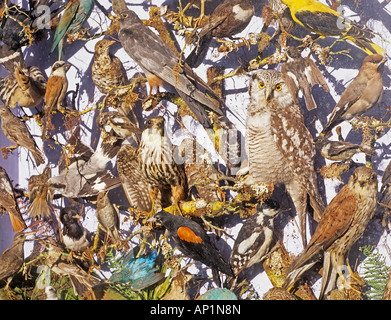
[(295, 274), (17, 224), (82, 283), (38, 158), (305, 261), (40, 208), (197, 56), (318, 206), (22, 79), (197, 109), (309, 99), (329, 276), (366, 45)]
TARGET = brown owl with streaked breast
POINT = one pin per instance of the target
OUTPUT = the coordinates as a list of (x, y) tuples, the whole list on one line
[(279, 145)]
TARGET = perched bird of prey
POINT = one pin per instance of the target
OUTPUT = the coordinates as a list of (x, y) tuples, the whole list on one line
[(339, 150), (8, 202), (161, 65), (82, 171), (56, 90), (362, 94), (279, 146), (158, 163), (25, 87), (12, 259), (302, 74), (134, 182), (325, 21), (192, 240), (17, 132), (108, 217), (229, 18), (75, 14), (342, 224), (74, 235), (254, 238), (201, 176), (40, 195)]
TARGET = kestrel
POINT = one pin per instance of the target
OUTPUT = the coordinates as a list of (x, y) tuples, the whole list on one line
[(342, 224)]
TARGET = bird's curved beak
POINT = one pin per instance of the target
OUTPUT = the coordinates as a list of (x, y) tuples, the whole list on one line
[(267, 94)]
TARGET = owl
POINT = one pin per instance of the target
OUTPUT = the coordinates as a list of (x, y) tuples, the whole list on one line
[(279, 145)]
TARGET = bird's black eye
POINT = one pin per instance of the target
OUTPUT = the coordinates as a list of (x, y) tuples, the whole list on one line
[(149, 122), (373, 177)]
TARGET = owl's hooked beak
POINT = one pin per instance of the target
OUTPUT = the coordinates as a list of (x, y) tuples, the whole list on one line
[(267, 94)]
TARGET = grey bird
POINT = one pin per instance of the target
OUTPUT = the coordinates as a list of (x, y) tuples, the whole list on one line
[(363, 93), (83, 172), (161, 65), (134, 182)]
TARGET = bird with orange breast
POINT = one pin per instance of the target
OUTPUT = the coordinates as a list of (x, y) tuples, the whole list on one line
[(56, 90)]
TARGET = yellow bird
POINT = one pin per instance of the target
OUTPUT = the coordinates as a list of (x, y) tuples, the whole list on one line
[(323, 20)]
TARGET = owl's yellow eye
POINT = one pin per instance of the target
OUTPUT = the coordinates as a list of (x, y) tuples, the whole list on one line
[(261, 85), (278, 87)]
